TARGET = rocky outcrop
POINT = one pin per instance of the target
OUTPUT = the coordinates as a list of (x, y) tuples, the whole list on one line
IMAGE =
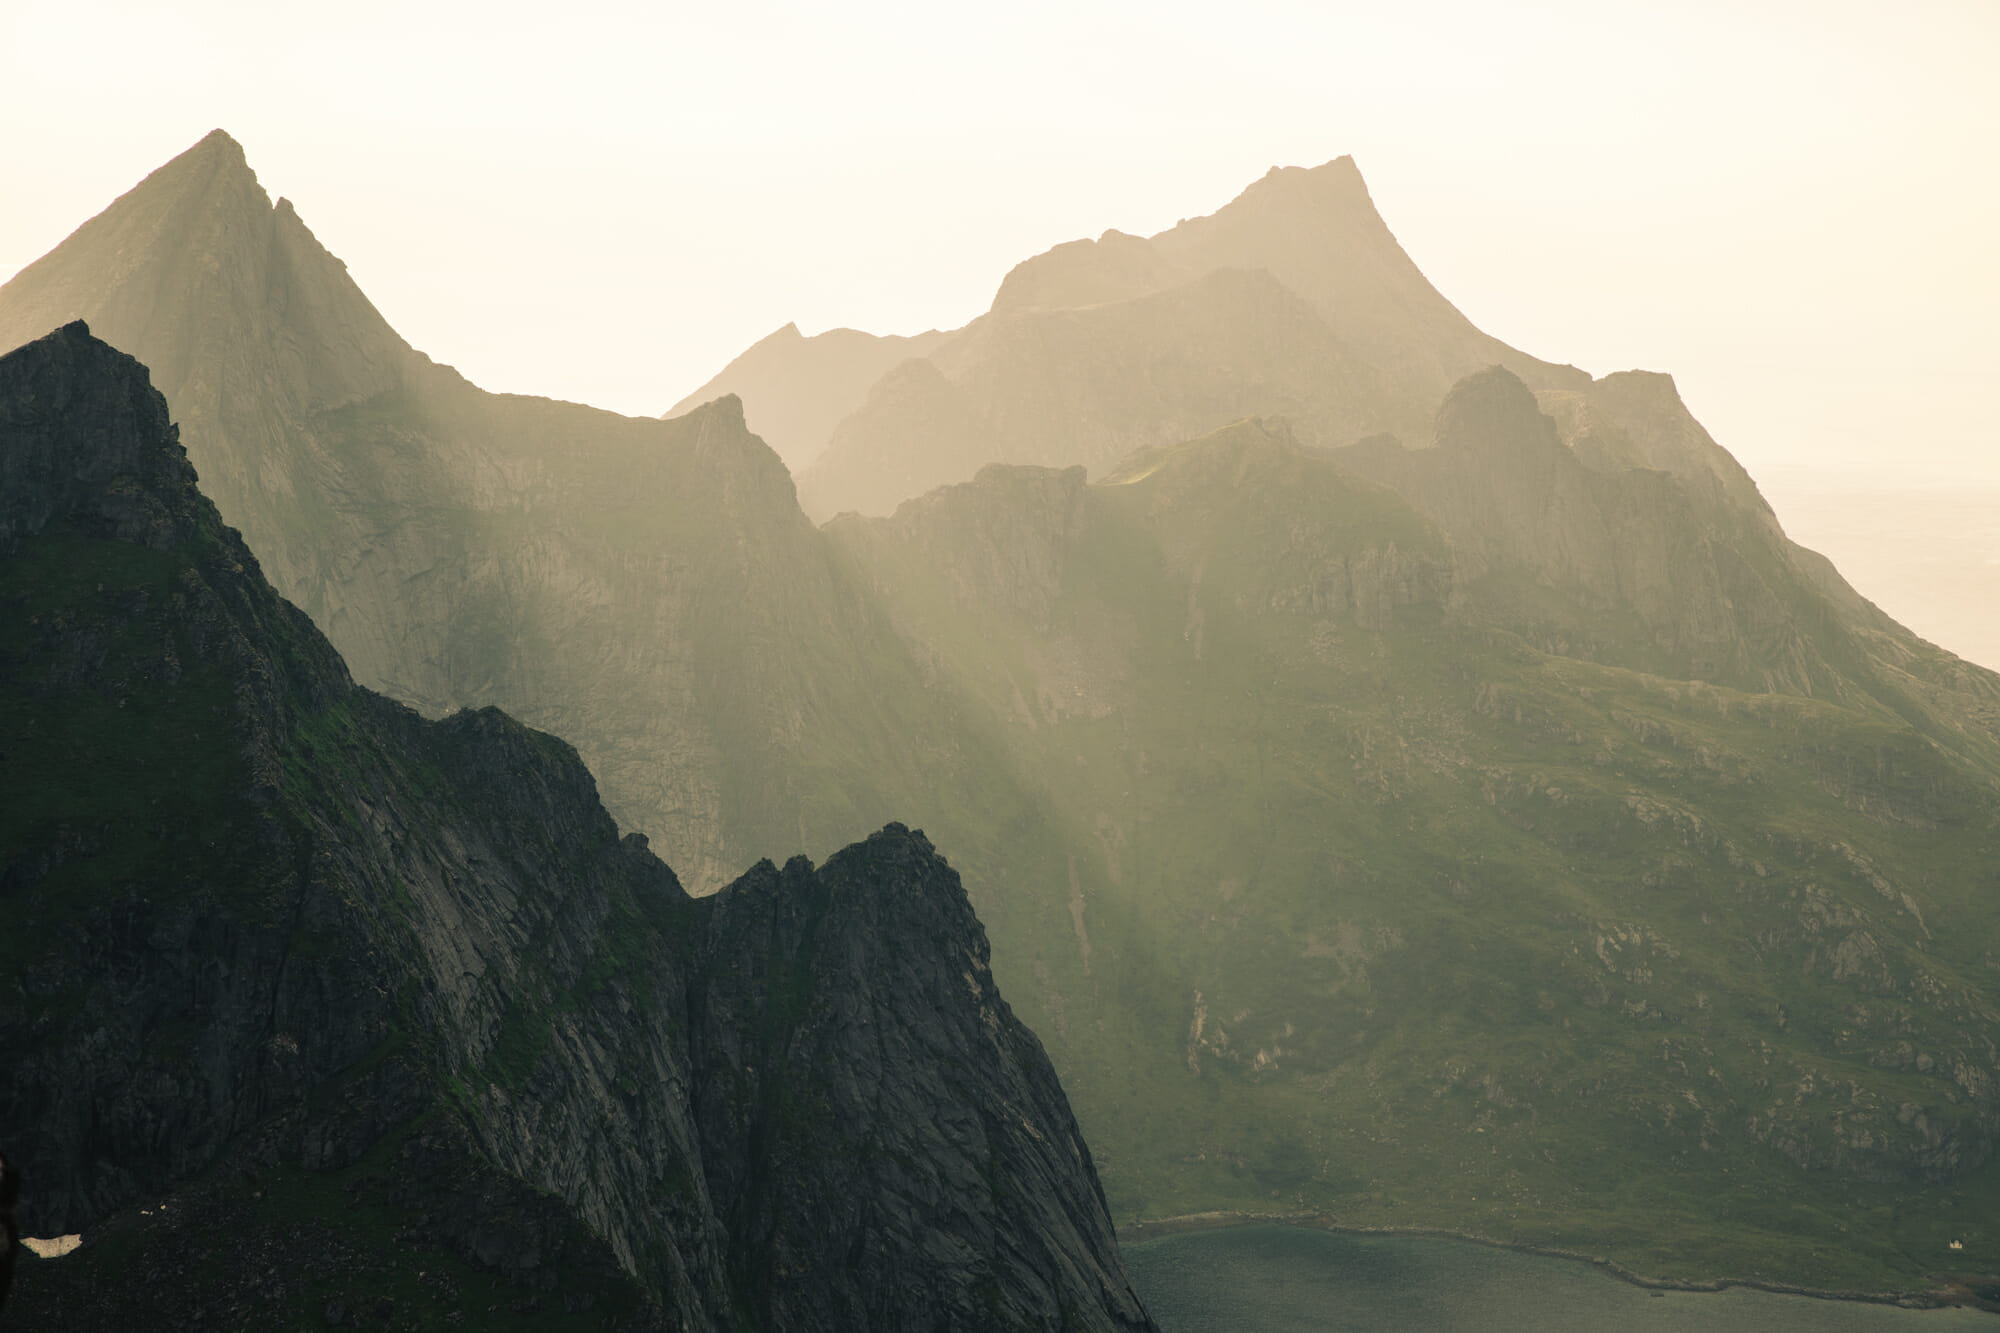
[(83, 449), (1248, 514), (1244, 521), (306, 939), (850, 1045), (1646, 519), (1002, 541)]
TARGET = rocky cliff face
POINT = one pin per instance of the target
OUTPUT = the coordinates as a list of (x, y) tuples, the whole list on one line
[(1619, 515), (1080, 587), (272, 934), (855, 1117)]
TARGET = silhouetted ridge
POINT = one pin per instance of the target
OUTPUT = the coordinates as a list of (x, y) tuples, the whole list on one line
[(1294, 300), (89, 443), (407, 977)]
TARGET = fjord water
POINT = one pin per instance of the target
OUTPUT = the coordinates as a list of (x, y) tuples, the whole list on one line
[(1283, 1279)]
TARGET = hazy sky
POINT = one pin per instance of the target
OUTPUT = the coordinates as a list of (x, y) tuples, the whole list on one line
[(1790, 206)]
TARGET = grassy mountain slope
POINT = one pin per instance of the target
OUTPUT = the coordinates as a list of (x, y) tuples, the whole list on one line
[(1438, 917)]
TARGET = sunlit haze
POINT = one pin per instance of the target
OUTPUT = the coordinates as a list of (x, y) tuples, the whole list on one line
[(1785, 205), (1077, 666)]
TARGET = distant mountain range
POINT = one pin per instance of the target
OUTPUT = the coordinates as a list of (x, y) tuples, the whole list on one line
[(1293, 300), (1405, 780)]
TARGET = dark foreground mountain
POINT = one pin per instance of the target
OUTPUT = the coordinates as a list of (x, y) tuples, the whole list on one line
[(319, 1011)]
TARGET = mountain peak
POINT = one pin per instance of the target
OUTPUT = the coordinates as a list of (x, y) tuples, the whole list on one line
[(219, 141), (1335, 182), (126, 267), (84, 437), (196, 272), (213, 158), (211, 179), (724, 412), (1317, 230)]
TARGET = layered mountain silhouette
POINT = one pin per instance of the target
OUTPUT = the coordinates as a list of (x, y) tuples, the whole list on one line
[(648, 589), (279, 934), (1293, 300), (802, 386), (1404, 780)]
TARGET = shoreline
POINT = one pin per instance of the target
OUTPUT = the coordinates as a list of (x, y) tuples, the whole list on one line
[(1950, 1293)]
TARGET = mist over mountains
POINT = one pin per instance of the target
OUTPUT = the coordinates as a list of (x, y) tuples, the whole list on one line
[(1404, 780), (273, 932), (1293, 300)]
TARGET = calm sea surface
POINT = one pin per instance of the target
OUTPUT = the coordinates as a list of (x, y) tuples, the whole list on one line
[(1279, 1279)]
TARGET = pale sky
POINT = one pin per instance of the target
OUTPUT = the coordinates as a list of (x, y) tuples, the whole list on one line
[(1790, 206)]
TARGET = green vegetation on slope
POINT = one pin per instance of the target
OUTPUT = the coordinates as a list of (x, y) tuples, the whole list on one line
[(1377, 911)]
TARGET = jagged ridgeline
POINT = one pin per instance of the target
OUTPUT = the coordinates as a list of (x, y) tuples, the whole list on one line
[(1398, 787), (648, 590), (317, 1011)]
